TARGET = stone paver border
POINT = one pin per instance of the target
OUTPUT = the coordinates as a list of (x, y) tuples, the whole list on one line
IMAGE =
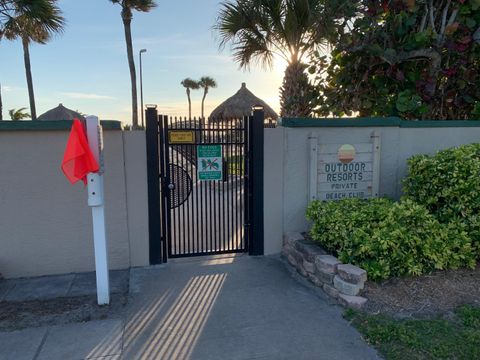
[(343, 282)]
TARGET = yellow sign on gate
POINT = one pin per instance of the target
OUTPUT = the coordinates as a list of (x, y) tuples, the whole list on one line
[(181, 137)]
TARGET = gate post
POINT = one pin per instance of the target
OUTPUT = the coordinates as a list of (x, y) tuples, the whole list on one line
[(256, 132), (154, 232)]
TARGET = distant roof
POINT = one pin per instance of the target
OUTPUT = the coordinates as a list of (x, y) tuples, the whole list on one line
[(240, 105), (60, 113)]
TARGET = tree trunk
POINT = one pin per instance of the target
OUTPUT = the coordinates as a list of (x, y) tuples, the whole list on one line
[(205, 92), (189, 105), (1, 104), (28, 72), (127, 20), (296, 93)]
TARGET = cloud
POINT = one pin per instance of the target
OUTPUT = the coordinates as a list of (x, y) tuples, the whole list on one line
[(7, 88), (175, 38), (86, 96)]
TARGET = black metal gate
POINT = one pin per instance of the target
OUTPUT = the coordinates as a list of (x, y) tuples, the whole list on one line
[(206, 201)]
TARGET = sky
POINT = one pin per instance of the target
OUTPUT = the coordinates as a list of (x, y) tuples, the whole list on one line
[(86, 67)]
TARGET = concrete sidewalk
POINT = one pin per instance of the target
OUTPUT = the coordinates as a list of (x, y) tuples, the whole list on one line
[(230, 308), (58, 286)]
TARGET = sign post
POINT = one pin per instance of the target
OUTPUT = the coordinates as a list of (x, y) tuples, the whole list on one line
[(210, 162), (96, 202)]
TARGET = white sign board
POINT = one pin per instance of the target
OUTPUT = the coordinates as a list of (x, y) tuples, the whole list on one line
[(346, 171)]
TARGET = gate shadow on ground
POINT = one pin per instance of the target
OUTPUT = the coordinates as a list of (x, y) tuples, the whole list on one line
[(169, 327), (238, 308)]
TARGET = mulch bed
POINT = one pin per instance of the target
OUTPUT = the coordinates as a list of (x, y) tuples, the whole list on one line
[(35, 313), (438, 293)]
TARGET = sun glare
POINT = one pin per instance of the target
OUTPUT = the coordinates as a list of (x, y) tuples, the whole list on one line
[(279, 66)]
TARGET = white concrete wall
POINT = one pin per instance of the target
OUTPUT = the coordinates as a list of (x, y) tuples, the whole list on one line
[(273, 189), (137, 196), (45, 223), (398, 144)]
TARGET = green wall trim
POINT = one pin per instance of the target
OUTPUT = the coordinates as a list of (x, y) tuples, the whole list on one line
[(374, 122), (339, 122), (439, 123), (51, 125)]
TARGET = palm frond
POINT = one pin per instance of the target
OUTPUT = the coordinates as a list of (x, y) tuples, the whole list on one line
[(257, 29), (27, 24), (207, 82), (190, 84)]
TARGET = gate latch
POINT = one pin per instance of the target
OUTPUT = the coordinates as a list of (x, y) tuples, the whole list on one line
[(171, 186)]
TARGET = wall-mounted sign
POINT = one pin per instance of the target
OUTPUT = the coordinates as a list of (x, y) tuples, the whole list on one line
[(181, 136), (346, 171), (210, 162)]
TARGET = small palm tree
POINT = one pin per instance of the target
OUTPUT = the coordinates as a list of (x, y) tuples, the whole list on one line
[(19, 114), (259, 29), (127, 14), (206, 83), (189, 85), (26, 26)]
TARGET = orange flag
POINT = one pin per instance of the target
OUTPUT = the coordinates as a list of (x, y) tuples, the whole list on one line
[(78, 159)]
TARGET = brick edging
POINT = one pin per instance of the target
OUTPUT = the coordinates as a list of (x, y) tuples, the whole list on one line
[(343, 282)]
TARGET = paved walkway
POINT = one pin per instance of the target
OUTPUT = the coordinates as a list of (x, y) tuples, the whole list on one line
[(56, 286), (231, 308)]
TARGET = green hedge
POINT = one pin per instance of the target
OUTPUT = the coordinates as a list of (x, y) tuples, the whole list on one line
[(389, 238), (448, 185)]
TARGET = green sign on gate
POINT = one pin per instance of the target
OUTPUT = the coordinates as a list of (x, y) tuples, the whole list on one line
[(210, 162)]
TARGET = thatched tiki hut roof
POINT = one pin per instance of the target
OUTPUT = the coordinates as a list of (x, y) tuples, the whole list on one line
[(240, 105), (60, 113)]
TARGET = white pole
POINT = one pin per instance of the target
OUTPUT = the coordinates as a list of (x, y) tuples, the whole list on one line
[(376, 163), (313, 168), (96, 202)]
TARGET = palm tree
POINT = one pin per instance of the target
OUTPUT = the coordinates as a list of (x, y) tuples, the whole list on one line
[(127, 8), (206, 83), (34, 8), (190, 84), (22, 25), (19, 114), (259, 29)]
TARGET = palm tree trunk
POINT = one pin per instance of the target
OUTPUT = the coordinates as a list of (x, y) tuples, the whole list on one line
[(203, 101), (1, 104), (127, 20), (189, 105), (296, 92), (28, 72)]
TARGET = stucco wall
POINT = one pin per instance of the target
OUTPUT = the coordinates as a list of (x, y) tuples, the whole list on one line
[(45, 223), (397, 145), (137, 196), (273, 189)]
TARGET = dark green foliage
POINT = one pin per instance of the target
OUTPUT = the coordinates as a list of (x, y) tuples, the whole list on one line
[(414, 59), (458, 338), (389, 239), (448, 185)]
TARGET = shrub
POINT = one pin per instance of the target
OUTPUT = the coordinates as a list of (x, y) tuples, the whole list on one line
[(448, 185), (389, 239)]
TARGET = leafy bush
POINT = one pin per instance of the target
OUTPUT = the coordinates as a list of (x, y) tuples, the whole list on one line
[(407, 58), (388, 238), (448, 185)]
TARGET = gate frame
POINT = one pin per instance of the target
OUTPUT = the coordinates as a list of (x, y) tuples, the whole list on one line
[(255, 162), (158, 247)]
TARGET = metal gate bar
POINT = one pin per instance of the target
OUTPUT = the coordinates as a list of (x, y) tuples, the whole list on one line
[(188, 217), (210, 219)]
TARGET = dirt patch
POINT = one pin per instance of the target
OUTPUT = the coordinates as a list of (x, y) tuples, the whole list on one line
[(424, 296), (59, 311)]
